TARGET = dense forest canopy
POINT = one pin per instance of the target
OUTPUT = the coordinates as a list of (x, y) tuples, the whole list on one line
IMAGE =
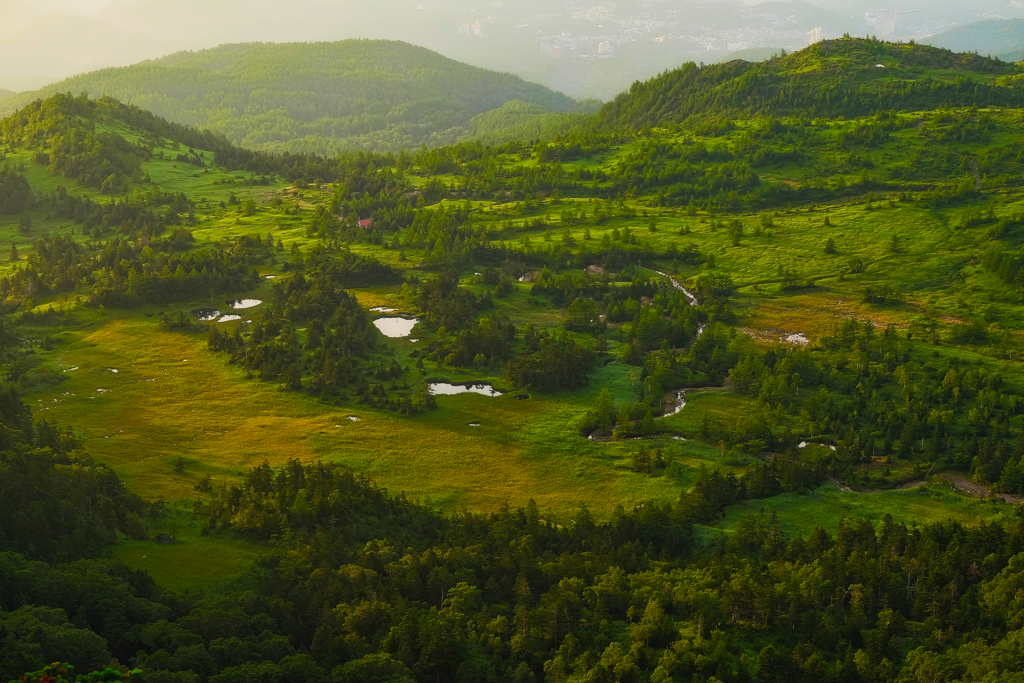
[(314, 97), (368, 586)]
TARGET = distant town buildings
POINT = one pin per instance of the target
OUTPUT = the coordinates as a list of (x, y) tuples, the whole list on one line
[(654, 26), (566, 44), (476, 28), (560, 45), (1017, 4), (882, 20)]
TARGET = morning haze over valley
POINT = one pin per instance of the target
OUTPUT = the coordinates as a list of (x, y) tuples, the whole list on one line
[(477, 341)]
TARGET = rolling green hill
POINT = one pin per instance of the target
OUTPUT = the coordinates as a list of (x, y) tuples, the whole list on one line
[(848, 77), (320, 97), (518, 120), (754, 54), (1003, 38)]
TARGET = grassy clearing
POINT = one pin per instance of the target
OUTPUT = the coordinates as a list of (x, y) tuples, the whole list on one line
[(203, 563), (826, 506), (193, 562), (172, 398)]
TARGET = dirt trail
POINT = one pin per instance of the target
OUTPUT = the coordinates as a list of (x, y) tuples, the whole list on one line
[(961, 482), (903, 486)]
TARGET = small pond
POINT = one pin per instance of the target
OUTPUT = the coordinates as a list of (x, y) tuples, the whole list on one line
[(383, 309), (245, 303), (446, 389), (395, 327), (206, 314), (229, 318), (805, 444)]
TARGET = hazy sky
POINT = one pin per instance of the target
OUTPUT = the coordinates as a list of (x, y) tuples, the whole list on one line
[(91, 6), (45, 41)]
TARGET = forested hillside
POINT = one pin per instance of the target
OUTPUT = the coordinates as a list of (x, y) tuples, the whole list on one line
[(829, 79), (518, 120), (366, 586), (312, 97)]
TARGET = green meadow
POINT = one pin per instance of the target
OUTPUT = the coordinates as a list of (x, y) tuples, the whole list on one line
[(799, 514), (165, 412)]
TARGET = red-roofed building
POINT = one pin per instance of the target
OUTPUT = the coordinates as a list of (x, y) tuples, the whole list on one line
[(365, 224)]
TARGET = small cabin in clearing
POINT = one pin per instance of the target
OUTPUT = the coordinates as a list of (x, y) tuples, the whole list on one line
[(364, 223)]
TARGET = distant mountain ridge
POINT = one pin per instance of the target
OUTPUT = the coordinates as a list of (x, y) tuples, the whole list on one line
[(1003, 38), (311, 97), (846, 77)]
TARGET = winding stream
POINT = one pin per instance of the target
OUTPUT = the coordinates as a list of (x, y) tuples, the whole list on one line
[(680, 403), (681, 394), (684, 290)]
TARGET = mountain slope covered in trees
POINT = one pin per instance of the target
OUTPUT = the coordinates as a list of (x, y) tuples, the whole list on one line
[(833, 78), (312, 97)]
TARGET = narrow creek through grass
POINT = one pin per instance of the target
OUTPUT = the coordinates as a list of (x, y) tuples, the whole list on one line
[(681, 394)]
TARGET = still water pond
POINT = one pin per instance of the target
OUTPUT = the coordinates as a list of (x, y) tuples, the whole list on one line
[(206, 314), (396, 327), (445, 389)]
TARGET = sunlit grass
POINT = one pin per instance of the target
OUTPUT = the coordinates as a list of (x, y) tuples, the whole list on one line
[(826, 506), (172, 398), (192, 561)]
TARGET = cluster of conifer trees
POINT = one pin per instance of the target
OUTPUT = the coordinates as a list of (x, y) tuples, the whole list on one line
[(361, 585)]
